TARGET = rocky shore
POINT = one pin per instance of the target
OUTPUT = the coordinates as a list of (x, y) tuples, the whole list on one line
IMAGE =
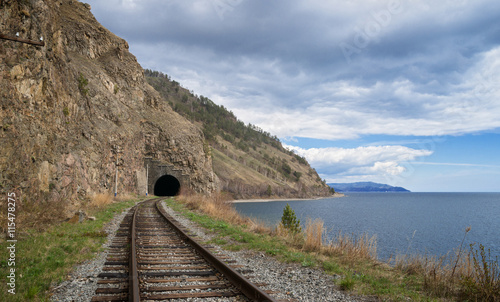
[(287, 282)]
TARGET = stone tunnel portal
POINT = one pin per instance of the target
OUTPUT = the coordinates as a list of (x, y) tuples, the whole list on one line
[(167, 185)]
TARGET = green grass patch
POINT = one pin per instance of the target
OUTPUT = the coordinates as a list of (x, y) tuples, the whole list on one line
[(44, 259), (218, 241), (332, 267), (234, 247), (347, 283)]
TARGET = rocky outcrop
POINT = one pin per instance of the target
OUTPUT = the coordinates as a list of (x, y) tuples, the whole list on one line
[(77, 108)]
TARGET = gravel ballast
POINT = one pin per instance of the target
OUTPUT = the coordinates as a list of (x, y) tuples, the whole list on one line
[(287, 282)]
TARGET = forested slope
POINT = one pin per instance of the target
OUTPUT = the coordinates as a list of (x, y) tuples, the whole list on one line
[(249, 161)]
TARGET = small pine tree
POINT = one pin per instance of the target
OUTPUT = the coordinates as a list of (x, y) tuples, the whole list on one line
[(289, 220)]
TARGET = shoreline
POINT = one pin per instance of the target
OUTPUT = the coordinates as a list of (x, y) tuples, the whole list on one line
[(336, 195)]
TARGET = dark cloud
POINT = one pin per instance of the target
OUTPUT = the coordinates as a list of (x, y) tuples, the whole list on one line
[(388, 67)]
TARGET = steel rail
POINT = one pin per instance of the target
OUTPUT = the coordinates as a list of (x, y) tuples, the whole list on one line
[(244, 285), (134, 290)]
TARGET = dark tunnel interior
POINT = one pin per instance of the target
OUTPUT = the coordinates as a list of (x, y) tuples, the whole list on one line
[(167, 185)]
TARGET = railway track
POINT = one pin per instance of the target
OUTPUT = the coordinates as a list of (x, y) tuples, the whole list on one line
[(153, 259)]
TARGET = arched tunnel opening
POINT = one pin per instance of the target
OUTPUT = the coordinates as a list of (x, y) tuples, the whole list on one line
[(167, 185)]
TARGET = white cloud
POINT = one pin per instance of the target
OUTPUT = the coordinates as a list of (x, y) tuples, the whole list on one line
[(128, 4), (457, 165), (373, 162)]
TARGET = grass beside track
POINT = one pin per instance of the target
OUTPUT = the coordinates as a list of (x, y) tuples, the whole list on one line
[(360, 276), (45, 258), (465, 274)]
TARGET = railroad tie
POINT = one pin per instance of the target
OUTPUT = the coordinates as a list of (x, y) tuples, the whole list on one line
[(153, 258)]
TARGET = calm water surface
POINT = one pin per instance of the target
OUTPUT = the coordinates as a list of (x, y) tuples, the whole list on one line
[(423, 223)]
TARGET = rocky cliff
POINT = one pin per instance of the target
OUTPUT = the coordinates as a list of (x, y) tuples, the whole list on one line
[(78, 108)]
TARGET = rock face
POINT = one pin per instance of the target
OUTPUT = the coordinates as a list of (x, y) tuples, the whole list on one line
[(77, 108)]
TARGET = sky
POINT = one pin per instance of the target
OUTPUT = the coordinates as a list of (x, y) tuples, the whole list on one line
[(402, 92)]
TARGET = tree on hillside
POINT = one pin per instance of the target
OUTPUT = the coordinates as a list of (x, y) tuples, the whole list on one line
[(269, 191)]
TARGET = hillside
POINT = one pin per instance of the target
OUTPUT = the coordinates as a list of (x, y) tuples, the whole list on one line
[(365, 187), (248, 161), (78, 109)]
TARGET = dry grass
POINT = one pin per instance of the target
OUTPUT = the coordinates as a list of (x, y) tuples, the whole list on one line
[(219, 206), (433, 269), (216, 205), (44, 209), (101, 200), (281, 231), (346, 246), (292, 238), (124, 197), (313, 236), (39, 212), (258, 227), (439, 277), (471, 276), (361, 248)]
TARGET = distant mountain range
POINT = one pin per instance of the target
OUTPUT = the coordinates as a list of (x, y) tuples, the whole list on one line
[(365, 187)]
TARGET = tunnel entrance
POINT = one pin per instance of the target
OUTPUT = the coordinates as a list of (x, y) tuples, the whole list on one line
[(167, 185)]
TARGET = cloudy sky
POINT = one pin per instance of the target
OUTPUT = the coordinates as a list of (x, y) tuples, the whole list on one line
[(404, 92)]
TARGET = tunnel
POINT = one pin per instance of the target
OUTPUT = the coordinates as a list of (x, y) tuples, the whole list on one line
[(167, 185)]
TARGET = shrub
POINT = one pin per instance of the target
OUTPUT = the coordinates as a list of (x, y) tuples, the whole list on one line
[(289, 220), (346, 284), (82, 84), (286, 170), (269, 191)]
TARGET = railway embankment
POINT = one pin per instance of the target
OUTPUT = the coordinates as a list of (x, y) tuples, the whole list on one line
[(287, 281)]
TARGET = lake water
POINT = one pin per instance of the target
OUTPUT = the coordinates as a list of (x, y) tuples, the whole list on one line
[(417, 223)]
